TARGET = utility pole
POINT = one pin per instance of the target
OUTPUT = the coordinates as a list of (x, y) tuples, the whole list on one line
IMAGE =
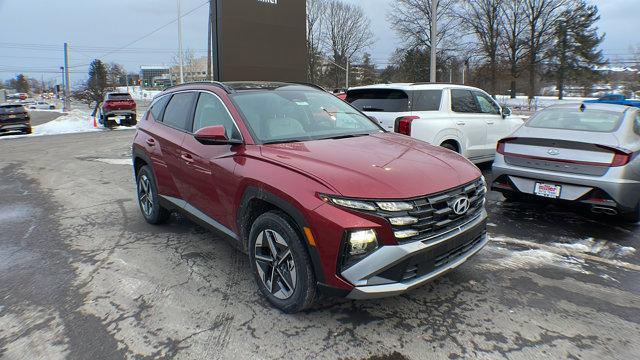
[(347, 71), (67, 102), (434, 39), (180, 56), (209, 43)]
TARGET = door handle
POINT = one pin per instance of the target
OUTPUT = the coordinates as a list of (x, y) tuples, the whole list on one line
[(461, 123), (490, 122), (151, 142), (187, 158)]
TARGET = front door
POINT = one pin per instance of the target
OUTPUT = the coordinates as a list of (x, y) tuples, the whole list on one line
[(497, 126), (209, 169)]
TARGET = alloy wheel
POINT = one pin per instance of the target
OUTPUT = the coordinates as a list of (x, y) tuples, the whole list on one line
[(275, 264), (145, 195)]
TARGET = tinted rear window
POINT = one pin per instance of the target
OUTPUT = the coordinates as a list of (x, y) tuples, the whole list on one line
[(119, 97), (379, 100), (574, 119), (158, 107), (426, 100)]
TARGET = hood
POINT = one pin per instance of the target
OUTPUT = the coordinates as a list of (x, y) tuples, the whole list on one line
[(379, 166)]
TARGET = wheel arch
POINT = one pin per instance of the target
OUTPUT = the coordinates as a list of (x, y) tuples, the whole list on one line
[(255, 202)]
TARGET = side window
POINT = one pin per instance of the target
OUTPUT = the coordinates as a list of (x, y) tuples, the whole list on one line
[(157, 108), (210, 111), (487, 105), (178, 111), (426, 100), (462, 101)]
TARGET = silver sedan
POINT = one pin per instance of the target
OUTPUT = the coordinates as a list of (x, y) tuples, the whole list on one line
[(581, 153)]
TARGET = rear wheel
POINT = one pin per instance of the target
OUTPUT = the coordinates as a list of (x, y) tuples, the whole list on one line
[(28, 130), (280, 263), (449, 146), (633, 217), (148, 198)]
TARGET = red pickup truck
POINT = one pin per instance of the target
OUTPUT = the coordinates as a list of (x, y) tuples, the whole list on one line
[(118, 106)]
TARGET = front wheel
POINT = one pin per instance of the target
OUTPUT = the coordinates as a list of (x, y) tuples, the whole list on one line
[(280, 263)]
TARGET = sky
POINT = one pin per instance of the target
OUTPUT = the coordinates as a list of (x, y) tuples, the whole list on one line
[(31, 40)]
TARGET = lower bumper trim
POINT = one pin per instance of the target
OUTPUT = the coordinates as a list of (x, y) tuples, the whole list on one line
[(379, 291)]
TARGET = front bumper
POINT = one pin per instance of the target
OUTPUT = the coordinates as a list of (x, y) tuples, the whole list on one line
[(392, 270)]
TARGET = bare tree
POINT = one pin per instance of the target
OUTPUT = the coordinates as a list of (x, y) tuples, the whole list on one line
[(484, 19), (541, 17), (315, 17), (411, 20), (348, 32), (114, 73), (514, 44)]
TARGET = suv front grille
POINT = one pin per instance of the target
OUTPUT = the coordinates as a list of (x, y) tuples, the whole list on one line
[(435, 213)]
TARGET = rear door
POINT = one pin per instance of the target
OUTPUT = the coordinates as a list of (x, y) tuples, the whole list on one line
[(470, 121), (385, 105), (170, 134)]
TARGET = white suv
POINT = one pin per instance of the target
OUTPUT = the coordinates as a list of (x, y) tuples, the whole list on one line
[(461, 118)]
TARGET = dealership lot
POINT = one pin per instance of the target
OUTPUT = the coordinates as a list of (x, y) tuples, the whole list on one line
[(83, 275)]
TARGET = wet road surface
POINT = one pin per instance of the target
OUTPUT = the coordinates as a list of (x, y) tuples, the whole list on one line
[(83, 276)]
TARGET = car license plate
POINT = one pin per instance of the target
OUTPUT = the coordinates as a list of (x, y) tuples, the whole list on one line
[(12, 116), (547, 190)]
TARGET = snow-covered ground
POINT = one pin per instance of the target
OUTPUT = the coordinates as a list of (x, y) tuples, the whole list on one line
[(75, 121), (138, 93), (539, 102)]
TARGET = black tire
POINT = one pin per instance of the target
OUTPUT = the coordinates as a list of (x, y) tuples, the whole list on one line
[(449, 146), (513, 196), (302, 292), (131, 121), (632, 217), (28, 131), (153, 212)]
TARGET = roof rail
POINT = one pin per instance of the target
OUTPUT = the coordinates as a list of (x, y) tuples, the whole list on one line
[(214, 83), (435, 83)]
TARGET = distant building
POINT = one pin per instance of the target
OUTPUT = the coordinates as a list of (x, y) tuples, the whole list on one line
[(193, 70), (149, 74)]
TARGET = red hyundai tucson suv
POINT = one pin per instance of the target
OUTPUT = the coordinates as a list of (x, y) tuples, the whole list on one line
[(321, 198)]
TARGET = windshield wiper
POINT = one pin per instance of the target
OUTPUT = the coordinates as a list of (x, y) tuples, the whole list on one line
[(345, 136), (282, 141)]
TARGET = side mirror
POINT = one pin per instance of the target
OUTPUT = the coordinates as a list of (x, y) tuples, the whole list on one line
[(212, 135), (506, 112)]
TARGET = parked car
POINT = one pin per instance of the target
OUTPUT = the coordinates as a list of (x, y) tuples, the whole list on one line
[(615, 99), (41, 105), (460, 118), (320, 196), (14, 117), (586, 154), (118, 107)]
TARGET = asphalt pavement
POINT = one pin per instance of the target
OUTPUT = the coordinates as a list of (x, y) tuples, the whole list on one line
[(83, 276)]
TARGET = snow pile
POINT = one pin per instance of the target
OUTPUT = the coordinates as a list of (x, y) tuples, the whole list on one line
[(75, 121), (601, 248)]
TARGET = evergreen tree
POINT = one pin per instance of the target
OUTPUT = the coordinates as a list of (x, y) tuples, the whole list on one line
[(22, 84), (577, 40), (369, 75), (97, 83)]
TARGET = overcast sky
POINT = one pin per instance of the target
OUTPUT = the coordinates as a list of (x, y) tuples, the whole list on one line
[(95, 28)]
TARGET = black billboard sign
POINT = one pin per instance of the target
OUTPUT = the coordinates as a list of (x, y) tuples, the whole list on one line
[(259, 40)]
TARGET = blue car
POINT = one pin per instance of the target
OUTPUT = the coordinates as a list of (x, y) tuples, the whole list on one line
[(615, 99)]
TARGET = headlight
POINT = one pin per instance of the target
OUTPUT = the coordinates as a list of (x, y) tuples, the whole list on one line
[(362, 242), (352, 204), (395, 206)]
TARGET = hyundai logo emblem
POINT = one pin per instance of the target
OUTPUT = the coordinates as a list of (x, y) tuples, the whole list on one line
[(553, 152), (461, 205)]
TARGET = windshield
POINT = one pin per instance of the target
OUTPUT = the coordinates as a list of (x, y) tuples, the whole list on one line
[(574, 119), (300, 115)]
